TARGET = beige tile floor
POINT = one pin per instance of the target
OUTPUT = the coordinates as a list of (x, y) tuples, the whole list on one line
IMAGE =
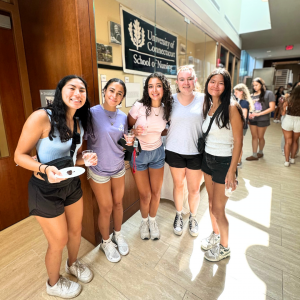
[(264, 238)]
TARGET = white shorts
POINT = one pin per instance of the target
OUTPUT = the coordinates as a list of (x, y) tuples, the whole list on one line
[(103, 179), (291, 123)]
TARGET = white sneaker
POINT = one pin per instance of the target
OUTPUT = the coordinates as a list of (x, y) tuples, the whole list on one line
[(283, 153), (287, 164), (144, 230), (64, 288), (154, 231), (121, 243), (217, 253), (178, 224), (292, 160), (193, 226), (80, 270), (110, 251), (210, 241)]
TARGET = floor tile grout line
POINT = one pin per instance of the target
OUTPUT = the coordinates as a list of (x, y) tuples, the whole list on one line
[(273, 266), (162, 256)]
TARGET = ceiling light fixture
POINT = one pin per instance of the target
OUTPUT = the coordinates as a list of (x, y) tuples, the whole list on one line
[(269, 51)]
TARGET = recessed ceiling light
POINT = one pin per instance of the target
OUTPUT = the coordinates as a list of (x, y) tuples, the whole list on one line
[(269, 51)]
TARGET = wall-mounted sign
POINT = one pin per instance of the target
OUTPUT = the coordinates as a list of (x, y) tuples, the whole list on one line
[(289, 47), (47, 97), (146, 48)]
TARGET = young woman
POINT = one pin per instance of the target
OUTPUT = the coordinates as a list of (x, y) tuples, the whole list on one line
[(279, 94), (291, 125), (181, 146), (107, 179), (264, 104), (149, 116), (241, 92), (58, 205), (222, 151)]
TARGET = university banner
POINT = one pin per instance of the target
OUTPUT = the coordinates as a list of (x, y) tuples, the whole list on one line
[(146, 48)]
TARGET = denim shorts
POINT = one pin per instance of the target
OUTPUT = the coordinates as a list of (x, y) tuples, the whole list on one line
[(216, 166), (154, 159)]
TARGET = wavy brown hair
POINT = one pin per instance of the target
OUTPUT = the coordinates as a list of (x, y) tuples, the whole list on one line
[(167, 98), (294, 102)]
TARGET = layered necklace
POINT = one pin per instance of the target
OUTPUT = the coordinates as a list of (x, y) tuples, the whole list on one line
[(112, 120)]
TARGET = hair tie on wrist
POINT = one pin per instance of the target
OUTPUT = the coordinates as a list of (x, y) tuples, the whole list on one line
[(46, 169), (40, 167)]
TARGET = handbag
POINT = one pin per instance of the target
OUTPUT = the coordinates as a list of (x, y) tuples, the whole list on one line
[(66, 161), (129, 149), (202, 139)]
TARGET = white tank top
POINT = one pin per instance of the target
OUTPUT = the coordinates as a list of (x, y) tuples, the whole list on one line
[(219, 142)]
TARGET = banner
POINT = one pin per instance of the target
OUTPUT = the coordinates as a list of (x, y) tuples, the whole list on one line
[(147, 48)]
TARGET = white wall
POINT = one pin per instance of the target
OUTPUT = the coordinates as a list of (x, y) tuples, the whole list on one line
[(255, 16), (231, 8)]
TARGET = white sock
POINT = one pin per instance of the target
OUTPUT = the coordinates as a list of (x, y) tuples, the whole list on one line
[(145, 220), (117, 233), (178, 212), (151, 219), (105, 241), (192, 215)]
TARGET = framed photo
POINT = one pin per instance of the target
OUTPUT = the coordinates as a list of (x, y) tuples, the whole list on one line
[(114, 33), (182, 49), (104, 53)]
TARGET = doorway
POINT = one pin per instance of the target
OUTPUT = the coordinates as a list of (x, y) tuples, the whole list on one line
[(13, 179)]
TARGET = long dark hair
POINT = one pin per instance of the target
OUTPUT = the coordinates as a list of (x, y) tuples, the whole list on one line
[(167, 98), (262, 89), (112, 80), (294, 102), (59, 110), (222, 117), (295, 84)]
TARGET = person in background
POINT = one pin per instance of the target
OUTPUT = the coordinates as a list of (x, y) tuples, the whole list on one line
[(107, 178), (286, 96), (289, 88), (278, 106), (291, 125), (264, 104), (182, 153), (149, 116), (242, 93), (58, 204), (222, 151)]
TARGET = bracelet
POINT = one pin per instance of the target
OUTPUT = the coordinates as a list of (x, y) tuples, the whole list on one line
[(40, 167), (46, 169)]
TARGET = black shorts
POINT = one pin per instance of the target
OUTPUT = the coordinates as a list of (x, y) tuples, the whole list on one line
[(175, 160), (260, 123), (216, 166), (49, 199)]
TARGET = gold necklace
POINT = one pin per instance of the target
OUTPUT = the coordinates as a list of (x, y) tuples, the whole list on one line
[(110, 117), (158, 112)]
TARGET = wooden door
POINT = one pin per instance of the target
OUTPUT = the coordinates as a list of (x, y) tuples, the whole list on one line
[(13, 179)]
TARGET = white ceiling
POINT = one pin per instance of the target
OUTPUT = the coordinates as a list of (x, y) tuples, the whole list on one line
[(285, 21)]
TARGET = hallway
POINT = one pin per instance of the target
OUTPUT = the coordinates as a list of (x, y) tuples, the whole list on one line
[(264, 239)]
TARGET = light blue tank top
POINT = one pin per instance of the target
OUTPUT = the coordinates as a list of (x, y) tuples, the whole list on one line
[(49, 150)]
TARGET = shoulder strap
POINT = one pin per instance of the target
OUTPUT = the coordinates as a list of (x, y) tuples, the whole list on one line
[(211, 121), (75, 138)]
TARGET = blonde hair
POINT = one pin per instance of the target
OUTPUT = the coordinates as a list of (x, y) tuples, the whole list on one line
[(246, 94), (183, 69)]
